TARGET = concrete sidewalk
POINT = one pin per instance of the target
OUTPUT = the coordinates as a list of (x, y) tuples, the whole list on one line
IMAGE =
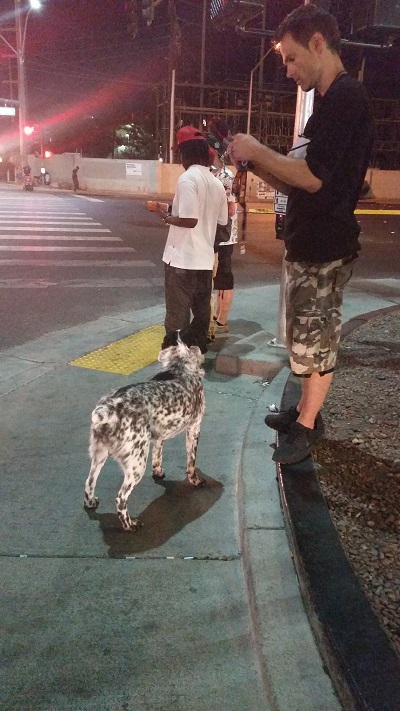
[(201, 609)]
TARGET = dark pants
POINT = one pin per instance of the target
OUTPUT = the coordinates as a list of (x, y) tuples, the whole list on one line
[(223, 279), (187, 290)]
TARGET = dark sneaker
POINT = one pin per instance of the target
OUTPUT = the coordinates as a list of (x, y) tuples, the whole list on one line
[(281, 421), (297, 444)]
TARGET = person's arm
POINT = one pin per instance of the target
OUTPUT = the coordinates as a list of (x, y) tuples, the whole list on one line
[(293, 172), (269, 178), (188, 222)]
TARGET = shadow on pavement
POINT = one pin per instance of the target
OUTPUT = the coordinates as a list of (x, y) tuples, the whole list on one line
[(162, 519)]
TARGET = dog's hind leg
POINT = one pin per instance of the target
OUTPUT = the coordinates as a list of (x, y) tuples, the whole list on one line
[(133, 465), (99, 454), (192, 441), (156, 459)]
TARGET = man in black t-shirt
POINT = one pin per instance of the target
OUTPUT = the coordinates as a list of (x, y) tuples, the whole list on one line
[(323, 178)]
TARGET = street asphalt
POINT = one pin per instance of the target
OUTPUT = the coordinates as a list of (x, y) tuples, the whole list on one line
[(200, 610)]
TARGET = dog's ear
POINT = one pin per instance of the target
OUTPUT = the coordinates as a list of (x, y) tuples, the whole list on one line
[(166, 355), (198, 354)]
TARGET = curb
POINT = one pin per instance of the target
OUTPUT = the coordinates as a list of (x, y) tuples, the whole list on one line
[(363, 665), (251, 356)]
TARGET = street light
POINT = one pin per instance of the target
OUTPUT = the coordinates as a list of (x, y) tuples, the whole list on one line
[(19, 51)]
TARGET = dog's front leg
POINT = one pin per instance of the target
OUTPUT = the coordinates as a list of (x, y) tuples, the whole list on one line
[(192, 440), (156, 459)]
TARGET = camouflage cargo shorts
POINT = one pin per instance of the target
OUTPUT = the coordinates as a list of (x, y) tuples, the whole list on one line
[(314, 297)]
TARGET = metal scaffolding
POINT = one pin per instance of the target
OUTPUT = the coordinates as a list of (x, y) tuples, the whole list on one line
[(272, 117)]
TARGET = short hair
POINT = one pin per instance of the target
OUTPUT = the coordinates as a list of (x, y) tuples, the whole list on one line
[(195, 152), (304, 21)]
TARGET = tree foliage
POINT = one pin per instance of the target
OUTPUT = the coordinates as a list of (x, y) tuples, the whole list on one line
[(134, 141)]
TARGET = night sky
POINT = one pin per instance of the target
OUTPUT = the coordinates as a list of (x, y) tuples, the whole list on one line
[(81, 61)]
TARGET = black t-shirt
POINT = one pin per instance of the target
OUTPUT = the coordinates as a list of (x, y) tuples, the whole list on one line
[(321, 226)]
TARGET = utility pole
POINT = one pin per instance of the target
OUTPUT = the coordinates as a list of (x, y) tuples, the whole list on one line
[(203, 60), (20, 46), (304, 108), (262, 47), (174, 52), (19, 52)]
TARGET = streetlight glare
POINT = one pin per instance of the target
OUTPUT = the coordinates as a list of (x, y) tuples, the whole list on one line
[(35, 4)]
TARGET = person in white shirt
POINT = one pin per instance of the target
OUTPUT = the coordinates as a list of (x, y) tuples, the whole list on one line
[(198, 206)]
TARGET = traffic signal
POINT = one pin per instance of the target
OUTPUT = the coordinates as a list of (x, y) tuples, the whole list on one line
[(132, 9), (148, 11), (48, 154), (28, 130)]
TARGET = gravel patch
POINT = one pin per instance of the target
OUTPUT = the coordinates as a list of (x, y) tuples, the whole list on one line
[(358, 464)]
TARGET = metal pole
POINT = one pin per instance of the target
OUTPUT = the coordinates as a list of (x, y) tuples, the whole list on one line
[(362, 70), (202, 65), (262, 47), (250, 101), (304, 108), (20, 47), (171, 117), (251, 87)]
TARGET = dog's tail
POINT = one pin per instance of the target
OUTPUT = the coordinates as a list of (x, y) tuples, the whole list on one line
[(104, 421)]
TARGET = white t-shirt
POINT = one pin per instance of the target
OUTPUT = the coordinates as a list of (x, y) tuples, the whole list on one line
[(198, 195)]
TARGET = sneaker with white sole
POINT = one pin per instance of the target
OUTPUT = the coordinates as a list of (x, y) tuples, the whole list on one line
[(221, 328)]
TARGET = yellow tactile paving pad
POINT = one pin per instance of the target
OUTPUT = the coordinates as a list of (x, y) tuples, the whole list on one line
[(268, 210), (377, 212), (126, 355)]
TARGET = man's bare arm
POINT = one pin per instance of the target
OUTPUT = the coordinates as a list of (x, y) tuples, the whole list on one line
[(292, 171), (269, 178), (188, 222)]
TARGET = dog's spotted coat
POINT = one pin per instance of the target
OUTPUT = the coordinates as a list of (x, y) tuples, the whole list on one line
[(125, 422)]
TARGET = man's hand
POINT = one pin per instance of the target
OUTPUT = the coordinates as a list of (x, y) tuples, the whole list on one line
[(186, 222), (286, 171), (244, 147), (161, 209)]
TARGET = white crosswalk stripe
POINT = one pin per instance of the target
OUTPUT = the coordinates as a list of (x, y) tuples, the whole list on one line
[(35, 225), (46, 248), (62, 221), (76, 263), (81, 238)]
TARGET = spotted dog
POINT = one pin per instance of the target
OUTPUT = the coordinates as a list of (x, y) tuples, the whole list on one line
[(125, 422)]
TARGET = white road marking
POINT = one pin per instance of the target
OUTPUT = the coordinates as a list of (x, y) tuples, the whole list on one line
[(74, 263), (43, 213), (41, 221), (18, 198), (81, 283), (46, 248), (59, 229), (90, 199), (28, 223), (69, 238)]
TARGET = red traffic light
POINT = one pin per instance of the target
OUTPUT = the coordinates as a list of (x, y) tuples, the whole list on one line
[(48, 154), (28, 130)]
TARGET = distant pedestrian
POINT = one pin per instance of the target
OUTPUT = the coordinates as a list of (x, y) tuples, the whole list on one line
[(198, 206), (75, 179)]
